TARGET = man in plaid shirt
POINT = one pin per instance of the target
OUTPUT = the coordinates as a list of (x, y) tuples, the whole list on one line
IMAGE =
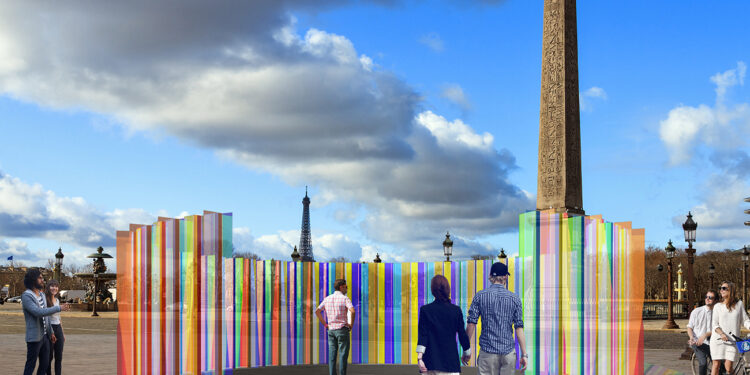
[(337, 306)]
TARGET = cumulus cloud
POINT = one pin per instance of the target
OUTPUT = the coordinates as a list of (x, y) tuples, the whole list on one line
[(20, 252), (423, 247), (587, 97), (721, 126), (281, 245), (722, 133), (720, 215), (40, 255), (455, 94), (239, 78), (31, 211), (433, 42)]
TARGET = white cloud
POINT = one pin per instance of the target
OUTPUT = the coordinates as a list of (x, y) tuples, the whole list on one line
[(456, 95), (595, 92), (281, 245), (419, 247), (722, 126), (238, 78), (720, 216), (586, 97), (20, 252), (730, 78), (722, 134), (456, 133), (433, 42), (31, 211), (40, 255)]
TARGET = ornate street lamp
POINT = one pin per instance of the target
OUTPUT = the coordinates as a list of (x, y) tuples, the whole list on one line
[(711, 271), (670, 324), (377, 258), (99, 267), (58, 265), (295, 255), (503, 258), (689, 227), (448, 247)]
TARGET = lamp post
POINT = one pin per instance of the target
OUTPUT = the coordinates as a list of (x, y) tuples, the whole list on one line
[(58, 265), (745, 258), (689, 227), (747, 211), (711, 271), (503, 258), (670, 324), (99, 267), (448, 247), (295, 255)]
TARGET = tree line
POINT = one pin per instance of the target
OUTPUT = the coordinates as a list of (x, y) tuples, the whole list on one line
[(728, 266)]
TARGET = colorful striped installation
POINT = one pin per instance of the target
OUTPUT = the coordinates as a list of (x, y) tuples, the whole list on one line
[(583, 281), (188, 307)]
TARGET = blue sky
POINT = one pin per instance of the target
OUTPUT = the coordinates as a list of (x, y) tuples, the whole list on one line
[(406, 119)]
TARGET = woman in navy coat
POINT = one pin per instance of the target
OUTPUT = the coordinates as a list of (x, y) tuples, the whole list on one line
[(439, 322)]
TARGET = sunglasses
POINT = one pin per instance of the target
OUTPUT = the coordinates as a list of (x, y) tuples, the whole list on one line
[(724, 288), (710, 297)]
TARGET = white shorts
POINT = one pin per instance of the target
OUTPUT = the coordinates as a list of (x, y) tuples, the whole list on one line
[(723, 350)]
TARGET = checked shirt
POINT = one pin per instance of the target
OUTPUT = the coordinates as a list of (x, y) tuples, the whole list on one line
[(500, 310), (336, 306)]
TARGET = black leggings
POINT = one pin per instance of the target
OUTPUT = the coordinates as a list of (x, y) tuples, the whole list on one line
[(56, 351)]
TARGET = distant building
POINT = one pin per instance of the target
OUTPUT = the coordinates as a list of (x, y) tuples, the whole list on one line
[(13, 277), (305, 238)]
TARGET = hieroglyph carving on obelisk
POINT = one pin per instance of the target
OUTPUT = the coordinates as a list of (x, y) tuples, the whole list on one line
[(559, 176)]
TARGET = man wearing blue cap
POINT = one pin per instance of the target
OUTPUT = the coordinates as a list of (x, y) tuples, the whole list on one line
[(500, 310)]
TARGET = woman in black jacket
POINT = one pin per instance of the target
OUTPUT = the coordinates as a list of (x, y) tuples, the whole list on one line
[(439, 322)]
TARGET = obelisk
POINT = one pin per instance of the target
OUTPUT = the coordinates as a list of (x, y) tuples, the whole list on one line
[(559, 176)]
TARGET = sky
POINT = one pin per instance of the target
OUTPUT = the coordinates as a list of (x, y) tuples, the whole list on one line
[(405, 119)]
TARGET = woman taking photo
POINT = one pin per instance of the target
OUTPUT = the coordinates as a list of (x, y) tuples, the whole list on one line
[(727, 316), (439, 322), (58, 338)]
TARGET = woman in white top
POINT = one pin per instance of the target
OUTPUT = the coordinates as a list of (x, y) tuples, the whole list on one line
[(58, 338), (725, 321)]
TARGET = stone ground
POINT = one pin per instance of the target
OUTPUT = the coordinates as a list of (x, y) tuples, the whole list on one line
[(90, 347)]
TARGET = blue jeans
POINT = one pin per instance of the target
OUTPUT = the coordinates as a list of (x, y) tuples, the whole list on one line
[(701, 354), (338, 346)]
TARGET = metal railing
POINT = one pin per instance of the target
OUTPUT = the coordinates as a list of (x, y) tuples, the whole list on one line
[(657, 309)]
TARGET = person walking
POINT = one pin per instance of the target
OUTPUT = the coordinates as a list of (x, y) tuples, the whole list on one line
[(38, 330), (500, 310), (58, 338), (699, 331), (726, 318), (439, 323), (340, 316)]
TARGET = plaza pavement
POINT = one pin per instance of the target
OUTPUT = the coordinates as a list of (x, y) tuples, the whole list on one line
[(90, 348)]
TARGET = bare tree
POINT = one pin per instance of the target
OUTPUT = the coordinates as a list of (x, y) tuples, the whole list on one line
[(340, 259), (247, 255), (482, 257), (727, 264)]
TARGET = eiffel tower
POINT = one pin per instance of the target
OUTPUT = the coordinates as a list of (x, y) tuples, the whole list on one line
[(305, 240)]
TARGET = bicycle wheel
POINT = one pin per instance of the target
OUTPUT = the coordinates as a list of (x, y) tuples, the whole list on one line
[(740, 367)]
